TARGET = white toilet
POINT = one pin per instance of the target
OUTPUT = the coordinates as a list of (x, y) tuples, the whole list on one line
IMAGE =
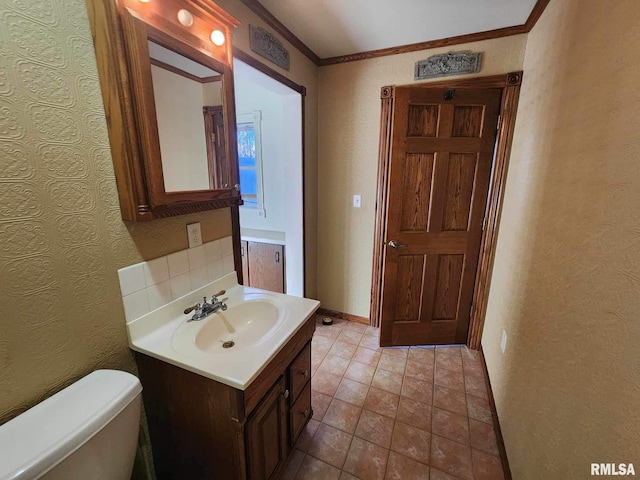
[(88, 431)]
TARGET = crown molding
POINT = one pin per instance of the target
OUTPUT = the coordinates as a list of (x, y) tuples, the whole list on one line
[(274, 23), (535, 14), (414, 47), (256, 7)]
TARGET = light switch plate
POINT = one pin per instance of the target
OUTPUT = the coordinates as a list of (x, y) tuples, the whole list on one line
[(194, 234), (357, 201), (503, 342)]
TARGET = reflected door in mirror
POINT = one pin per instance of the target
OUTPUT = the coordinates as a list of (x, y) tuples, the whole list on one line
[(216, 146)]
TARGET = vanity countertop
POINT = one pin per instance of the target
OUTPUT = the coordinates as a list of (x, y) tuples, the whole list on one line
[(262, 236), (166, 335)]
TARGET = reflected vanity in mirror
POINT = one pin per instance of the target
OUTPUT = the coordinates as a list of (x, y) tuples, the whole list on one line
[(167, 81)]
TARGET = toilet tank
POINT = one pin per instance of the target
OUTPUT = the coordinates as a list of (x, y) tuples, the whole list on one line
[(89, 430)]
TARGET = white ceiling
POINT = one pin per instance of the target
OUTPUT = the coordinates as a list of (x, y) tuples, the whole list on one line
[(341, 27)]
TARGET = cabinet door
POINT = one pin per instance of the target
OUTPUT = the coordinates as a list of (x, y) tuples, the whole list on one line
[(244, 254), (266, 266), (267, 434)]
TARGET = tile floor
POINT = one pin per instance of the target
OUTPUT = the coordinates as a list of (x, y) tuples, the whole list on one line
[(394, 413)]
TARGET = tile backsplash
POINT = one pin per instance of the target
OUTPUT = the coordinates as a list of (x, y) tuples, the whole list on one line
[(149, 285)]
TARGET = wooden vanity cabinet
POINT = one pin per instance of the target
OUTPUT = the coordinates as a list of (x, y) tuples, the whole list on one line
[(263, 266), (267, 443), (204, 429)]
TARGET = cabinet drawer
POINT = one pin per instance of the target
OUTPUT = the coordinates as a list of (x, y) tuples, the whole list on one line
[(300, 413), (300, 372)]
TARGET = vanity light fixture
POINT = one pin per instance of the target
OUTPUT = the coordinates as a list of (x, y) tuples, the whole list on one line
[(144, 1), (217, 37), (185, 18)]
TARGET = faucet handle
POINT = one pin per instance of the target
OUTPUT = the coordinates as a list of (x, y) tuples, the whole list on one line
[(192, 308), (214, 297)]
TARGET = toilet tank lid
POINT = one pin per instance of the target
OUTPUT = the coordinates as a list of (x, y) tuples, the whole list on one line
[(36, 441)]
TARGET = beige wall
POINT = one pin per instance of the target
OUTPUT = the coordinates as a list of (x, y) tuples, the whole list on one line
[(212, 93), (303, 72), (566, 280), (61, 235), (348, 125)]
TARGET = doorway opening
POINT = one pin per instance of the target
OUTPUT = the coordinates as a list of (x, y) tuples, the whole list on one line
[(270, 159)]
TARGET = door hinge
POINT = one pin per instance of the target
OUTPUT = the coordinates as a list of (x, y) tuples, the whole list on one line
[(277, 257), (213, 137), (499, 122), (471, 312), (484, 223)]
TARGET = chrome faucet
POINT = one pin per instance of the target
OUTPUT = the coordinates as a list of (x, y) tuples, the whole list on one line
[(204, 309)]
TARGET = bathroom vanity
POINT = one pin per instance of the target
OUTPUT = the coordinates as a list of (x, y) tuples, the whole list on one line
[(217, 413), (205, 429)]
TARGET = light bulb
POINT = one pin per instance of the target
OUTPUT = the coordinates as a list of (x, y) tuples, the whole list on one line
[(217, 37), (185, 18)]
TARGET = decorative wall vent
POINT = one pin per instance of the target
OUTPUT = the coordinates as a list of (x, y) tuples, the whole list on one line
[(268, 46), (447, 64)]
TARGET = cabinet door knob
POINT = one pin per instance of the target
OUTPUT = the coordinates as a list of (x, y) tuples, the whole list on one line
[(306, 413), (305, 373), (286, 394)]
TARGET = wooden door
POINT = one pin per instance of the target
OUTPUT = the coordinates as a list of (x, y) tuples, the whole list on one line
[(219, 172), (267, 435), (266, 266), (442, 144)]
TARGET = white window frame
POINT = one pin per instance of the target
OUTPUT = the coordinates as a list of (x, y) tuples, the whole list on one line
[(255, 117)]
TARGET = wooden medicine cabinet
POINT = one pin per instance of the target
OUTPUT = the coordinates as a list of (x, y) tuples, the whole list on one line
[(166, 75)]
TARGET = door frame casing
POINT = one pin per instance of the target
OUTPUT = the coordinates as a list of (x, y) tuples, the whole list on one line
[(510, 85)]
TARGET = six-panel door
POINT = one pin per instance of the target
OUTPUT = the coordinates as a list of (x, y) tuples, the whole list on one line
[(441, 155)]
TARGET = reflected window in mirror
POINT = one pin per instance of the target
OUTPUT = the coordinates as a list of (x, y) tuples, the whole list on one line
[(188, 101), (250, 160)]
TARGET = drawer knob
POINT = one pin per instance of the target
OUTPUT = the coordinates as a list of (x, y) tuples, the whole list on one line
[(306, 413), (286, 394), (305, 374)]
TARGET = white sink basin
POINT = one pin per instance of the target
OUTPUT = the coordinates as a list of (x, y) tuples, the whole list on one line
[(242, 325), (259, 323), (245, 323)]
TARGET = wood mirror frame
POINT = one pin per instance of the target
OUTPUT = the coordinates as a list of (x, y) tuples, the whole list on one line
[(121, 30)]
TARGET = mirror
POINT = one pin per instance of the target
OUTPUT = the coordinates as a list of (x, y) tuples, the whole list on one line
[(188, 102), (167, 83)]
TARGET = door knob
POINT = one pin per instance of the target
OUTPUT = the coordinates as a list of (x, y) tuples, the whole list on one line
[(395, 244)]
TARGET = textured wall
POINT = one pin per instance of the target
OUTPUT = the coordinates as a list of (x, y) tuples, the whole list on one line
[(349, 126), (61, 235), (566, 281), (303, 72)]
